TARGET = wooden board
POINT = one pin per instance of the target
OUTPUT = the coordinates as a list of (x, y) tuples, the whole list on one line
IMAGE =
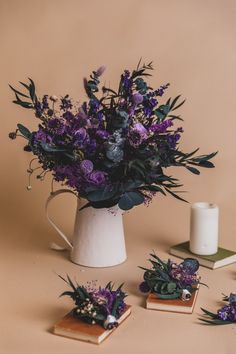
[(71, 327)]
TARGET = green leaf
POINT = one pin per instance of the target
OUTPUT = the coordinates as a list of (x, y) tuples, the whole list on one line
[(162, 112), (101, 194), (171, 287), (68, 293), (193, 170), (179, 105), (51, 148), (176, 196), (153, 188), (211, 314), (215, 322), (18, 92), (24, 131), (174, 102), (32, 90), (23, 104), (130, 199), (168, 296)]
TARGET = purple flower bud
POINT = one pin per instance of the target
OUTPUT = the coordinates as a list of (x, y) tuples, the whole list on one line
[(97, 178), (86, 166), (140, 128), (100, 70), (80, 135), (144, 287), (137, 98), (12, 135)]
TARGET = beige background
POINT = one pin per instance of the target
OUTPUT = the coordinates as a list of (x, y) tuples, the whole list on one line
[(192, 44)]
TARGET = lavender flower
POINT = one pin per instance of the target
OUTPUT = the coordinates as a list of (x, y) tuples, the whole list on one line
[(45, 102), (66, 103), (57, 125)]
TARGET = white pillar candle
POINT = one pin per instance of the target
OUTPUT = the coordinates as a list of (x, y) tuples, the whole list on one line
[(204, 223)]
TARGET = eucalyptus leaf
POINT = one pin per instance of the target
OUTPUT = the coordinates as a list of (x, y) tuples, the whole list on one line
[(24, 131)]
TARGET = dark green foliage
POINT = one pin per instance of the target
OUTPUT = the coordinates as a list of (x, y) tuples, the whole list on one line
[(161, 281)]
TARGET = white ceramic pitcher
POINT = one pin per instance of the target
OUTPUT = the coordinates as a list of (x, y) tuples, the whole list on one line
[(98, 239)]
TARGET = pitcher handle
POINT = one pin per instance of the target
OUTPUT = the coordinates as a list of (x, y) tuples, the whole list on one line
[(61, 233)]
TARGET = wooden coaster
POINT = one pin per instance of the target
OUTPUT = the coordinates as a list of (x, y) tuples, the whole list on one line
[(173, 305), (74, 328)]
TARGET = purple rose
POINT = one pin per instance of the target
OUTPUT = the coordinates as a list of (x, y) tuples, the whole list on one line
[(97, 177), (80, 135), (137, 98), (86, 166)]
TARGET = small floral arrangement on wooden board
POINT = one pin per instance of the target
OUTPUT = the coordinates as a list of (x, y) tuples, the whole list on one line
[(103, 306), (169, 280), (225, 315), (113, 148)]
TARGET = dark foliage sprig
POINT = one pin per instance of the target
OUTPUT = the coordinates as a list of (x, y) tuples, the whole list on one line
[(169, 280), (102, 306), (225, 315)]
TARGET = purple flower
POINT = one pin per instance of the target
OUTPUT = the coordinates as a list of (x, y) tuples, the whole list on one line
[(57, 125), (38, 109), (97, 178), (42, 136), (66, 103), (137, 98), (141, 129), (68, 116), (80, 136), (91, 147), (173, 139), (103, 134), (184, 276), (86, 166), (106, 298), (100, 70), (144, 287), (161, 127), (137, 135), (12, 135), (227, 312), (45, 102)]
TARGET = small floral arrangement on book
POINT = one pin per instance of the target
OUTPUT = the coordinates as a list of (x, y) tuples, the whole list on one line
[(102, 306), (114, 147), (169, 280), (225, 315)]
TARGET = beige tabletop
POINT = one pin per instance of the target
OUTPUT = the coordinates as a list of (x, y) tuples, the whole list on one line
[(30, 289)]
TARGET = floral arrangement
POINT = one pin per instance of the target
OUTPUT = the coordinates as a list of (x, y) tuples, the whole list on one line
[(169, 280), (102, 306), (225, 315), (113, 148)]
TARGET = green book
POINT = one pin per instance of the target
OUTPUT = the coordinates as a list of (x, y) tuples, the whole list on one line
[(222, 258)]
